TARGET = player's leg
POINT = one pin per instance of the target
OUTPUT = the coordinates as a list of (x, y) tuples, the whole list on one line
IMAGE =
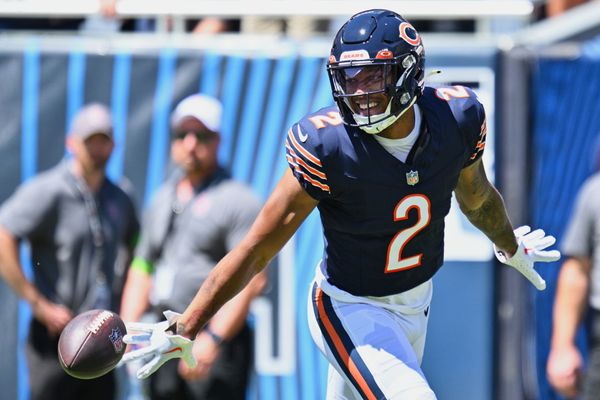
[(369, 347), (338, 387)]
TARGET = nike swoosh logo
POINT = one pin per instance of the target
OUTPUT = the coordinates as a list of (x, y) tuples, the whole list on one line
[(173, 350), (303, 136)]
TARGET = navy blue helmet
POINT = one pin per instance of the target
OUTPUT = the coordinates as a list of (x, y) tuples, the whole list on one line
[(382, 51)]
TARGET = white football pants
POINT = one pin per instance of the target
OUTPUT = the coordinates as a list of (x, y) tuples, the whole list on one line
[(374, 352)]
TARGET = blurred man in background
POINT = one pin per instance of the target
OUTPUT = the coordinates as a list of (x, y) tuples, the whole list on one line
[(578, 288), (195, 218), (80, 227)]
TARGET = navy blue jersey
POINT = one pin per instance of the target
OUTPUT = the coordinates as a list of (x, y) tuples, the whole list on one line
[(383, 219)]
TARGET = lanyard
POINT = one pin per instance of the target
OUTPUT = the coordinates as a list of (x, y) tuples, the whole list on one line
[(91, 290)]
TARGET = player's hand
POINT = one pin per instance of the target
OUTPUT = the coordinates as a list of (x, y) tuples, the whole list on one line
[(530, 250), (205, 351), (160, 344), (564, 370)]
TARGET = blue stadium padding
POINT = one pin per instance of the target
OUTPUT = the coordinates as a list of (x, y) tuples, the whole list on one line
[(289, 387), (267, 384), (29, 124), (232, 83), (30, 113), (267, 387), (310, 248), (303, 91), (159, 141), (241, 165), (119, 108), (23, 330), (457, 362), (271, 133), (565, 129), (302, 95), (323, 96), (75, 85), (210, 75)]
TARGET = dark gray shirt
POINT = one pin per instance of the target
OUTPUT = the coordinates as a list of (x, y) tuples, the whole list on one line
[(185, 241), (583, 234), (78, 247)]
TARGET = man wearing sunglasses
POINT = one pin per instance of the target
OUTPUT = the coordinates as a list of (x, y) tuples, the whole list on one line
[(195, 218)]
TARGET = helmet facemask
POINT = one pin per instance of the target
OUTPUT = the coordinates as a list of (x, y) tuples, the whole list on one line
[(395, 80)]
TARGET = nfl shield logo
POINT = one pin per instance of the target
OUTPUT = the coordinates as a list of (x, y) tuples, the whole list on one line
[(412, 178), (117, 339)]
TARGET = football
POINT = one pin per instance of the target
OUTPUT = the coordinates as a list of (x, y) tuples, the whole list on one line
[(91, 344)]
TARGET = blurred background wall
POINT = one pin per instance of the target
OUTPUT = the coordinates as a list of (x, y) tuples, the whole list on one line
[(539, 79)]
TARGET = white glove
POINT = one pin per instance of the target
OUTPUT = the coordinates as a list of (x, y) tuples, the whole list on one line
[(530, 250), (162, 345)]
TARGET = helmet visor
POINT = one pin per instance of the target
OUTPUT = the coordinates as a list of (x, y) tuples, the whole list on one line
[(350, 79), (365, 88)]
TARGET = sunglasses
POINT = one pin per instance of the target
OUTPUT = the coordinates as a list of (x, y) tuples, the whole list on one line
[(203, 136)]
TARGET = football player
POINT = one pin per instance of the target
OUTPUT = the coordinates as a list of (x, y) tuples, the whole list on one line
[(381, 166)]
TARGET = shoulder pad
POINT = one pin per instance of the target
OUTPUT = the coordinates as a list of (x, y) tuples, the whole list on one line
[(470, 117), (306, 145), (318, 131), (463, 102), (324, 118)]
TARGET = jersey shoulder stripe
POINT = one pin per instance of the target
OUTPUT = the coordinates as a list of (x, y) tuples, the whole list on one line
[(303, 162), (298, 147), (480, 145)]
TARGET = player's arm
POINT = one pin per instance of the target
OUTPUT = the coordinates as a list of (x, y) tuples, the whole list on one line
[(223, 326), (280, 217), (565, 360), (54, 316), (232, 316), (483, 206), (284, 211)]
